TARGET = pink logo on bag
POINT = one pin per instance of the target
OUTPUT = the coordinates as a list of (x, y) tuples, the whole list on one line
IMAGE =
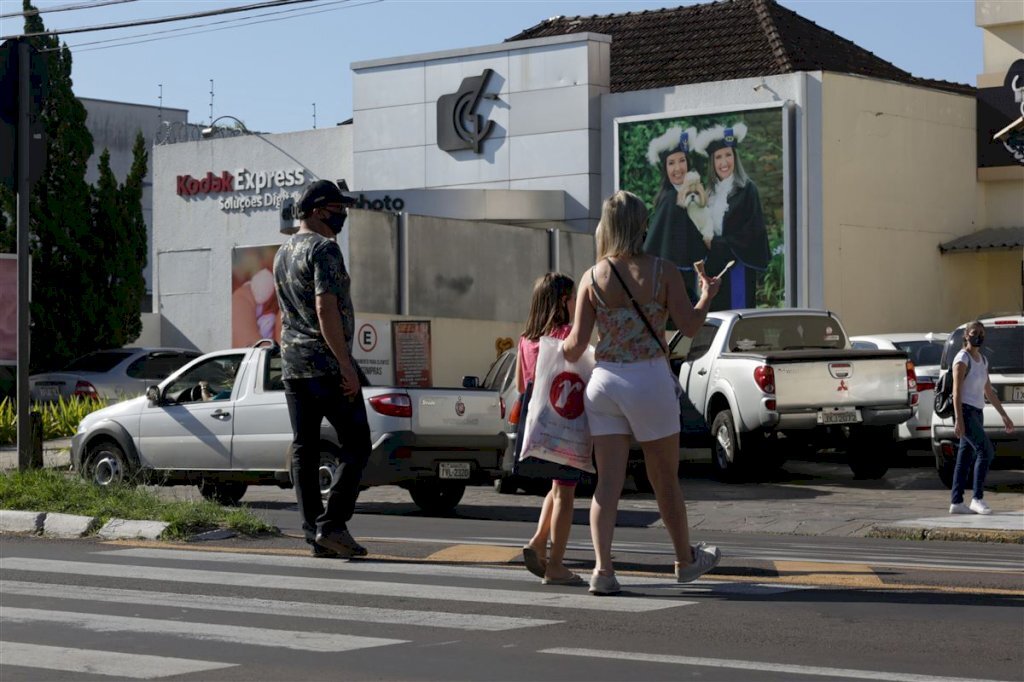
[(567, 394)]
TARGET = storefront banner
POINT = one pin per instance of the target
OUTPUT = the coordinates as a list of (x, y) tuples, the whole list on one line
[(254, 311), (997, 111), (8, 309), (372, 349), (412, 354), (714, 186)]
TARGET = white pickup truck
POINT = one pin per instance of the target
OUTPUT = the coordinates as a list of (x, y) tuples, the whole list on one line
[(760, 384), (431, 441)]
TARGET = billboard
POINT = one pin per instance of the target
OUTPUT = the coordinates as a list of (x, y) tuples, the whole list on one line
[(254, 311), (715, 186)]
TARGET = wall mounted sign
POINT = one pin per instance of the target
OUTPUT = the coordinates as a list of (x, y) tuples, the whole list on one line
[(412, 353), (997, 110), (372, 350), (459, 126), (246, 189)]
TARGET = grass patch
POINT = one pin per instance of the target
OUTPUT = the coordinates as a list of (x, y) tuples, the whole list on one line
[(50, 490)]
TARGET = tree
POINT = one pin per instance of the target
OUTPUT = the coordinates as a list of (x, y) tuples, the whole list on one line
[(86, 259)]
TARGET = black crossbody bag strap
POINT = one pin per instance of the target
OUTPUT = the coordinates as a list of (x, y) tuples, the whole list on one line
[(636, 305)]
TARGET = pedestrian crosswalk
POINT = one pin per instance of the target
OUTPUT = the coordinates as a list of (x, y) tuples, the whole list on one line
[(133, 613)]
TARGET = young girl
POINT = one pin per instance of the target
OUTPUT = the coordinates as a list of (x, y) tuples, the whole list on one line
[(550, 315)]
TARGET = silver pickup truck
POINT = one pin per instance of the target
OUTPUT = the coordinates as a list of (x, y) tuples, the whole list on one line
[(763, 384), (431, 441)]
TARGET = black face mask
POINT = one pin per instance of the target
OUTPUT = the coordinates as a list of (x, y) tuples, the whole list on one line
[(335, 221), (976, 340)]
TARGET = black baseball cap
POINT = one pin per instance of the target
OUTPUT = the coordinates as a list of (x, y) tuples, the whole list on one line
[(320, 193)]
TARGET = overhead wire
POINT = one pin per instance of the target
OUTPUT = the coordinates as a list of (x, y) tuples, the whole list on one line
[(64, 8), (195, 29), (159, 20)]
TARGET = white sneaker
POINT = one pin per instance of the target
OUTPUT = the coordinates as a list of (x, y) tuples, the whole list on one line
[(705, 558), (980, 507), (959, 508)]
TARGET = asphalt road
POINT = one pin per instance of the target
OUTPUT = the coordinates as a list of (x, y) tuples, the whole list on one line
[(79, 610)]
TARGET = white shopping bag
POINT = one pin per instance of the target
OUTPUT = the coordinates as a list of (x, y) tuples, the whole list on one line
[(556, 425)]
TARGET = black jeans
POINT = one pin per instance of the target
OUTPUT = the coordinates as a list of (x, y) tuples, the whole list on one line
[(310, 401)]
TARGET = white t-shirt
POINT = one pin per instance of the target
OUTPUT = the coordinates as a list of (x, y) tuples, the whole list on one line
[(972, 388)]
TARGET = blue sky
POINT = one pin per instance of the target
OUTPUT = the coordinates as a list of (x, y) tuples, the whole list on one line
[(269, 74)]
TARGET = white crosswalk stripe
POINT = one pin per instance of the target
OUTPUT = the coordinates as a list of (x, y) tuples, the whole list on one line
[(135, 666), (126, 642)]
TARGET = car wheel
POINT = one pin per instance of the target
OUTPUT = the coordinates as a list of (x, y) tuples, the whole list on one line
[(227, 493), (637, 470), (944, 466), (869, 451), (506, 485), (725, 457), (436, 497), (107, 465), (328, 467)]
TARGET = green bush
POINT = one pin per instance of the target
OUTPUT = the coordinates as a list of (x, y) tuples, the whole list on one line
[(60, 419), (55, 491)]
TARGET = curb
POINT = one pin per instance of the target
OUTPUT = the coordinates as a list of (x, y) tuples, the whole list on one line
[(67, 525), (948, 534), (21, 521), (123, 529)]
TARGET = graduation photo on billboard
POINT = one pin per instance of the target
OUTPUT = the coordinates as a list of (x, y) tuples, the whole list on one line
[(714, 186)]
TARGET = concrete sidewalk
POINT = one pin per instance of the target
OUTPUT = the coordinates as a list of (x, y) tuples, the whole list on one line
[(56, 455)]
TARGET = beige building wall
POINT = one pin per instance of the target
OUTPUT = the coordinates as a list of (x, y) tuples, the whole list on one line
[(898, 180)]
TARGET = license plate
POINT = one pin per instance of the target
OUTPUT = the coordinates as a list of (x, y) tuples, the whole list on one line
[(838, 415), (453, 470), (48, 392), (1017, 394)]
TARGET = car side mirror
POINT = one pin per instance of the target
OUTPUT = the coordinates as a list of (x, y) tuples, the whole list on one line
[(153, 395), (470, 382)]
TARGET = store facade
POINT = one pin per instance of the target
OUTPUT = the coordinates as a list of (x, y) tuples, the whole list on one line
[(477, 170)]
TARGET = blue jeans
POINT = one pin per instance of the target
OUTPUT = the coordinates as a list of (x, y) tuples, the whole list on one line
[(976, 449), (310, 401)]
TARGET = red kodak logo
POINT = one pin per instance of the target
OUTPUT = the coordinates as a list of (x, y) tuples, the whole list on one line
[(189, 186)]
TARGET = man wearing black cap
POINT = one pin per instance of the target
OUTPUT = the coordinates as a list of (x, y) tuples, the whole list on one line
[(321, 378)]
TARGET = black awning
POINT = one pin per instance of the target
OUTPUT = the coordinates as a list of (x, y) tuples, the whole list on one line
[(988, 239)]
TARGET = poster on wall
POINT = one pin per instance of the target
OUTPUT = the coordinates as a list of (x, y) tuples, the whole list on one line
[(411, 341), (714, 186), (254, 311), (8, 309)]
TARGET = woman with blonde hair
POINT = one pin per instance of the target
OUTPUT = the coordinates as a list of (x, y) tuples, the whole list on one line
[(630, 295)]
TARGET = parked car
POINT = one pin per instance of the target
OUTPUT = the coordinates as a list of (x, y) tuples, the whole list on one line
[(1004, 350), (925, 351), (761, 383), (113, 374), (431, 441)]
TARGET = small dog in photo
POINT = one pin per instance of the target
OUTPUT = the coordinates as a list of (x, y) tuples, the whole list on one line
[(692, 198)]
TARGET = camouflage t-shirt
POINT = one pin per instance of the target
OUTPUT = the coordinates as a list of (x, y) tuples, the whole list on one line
[(305, 266)]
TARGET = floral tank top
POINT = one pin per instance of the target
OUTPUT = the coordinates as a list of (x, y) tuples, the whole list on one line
[(623, 336)]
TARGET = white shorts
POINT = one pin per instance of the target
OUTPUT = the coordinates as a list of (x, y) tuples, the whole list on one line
[(636, 398)]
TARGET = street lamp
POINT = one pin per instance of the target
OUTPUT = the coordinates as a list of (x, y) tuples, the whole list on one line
[(210, 130)]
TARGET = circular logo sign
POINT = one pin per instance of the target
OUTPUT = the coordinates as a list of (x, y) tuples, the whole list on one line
[(460, 407), (567, 395), (367, 337)]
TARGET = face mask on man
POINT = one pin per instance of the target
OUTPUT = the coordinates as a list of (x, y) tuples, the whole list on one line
[(335, 221), (976, 340)]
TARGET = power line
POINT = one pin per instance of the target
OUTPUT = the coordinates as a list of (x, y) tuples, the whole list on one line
[(244, 21), (64, 8), (159, 20)]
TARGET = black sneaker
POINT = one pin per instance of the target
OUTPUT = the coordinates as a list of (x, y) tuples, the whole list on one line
[(342, 543), (321, 552)]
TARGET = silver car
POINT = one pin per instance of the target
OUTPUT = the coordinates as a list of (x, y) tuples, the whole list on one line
[(113, 374), (925, 351)]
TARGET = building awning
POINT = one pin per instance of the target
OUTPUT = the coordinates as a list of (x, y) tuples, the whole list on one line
[(988, 239)]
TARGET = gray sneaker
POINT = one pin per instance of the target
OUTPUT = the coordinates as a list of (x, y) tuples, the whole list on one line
[(341, 542), (705, 558), (604, 585)]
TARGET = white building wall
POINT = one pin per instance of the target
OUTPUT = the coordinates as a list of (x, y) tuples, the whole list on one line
[(546, 120), (194, 237)]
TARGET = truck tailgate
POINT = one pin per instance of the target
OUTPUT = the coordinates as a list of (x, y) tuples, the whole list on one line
[(452, 412), (861, 382)]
